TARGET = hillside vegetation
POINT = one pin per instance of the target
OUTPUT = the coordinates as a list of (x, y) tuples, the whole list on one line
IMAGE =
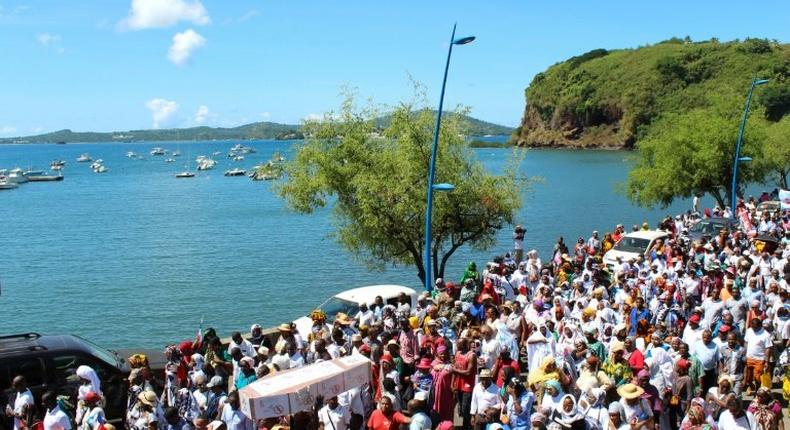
[(610, 99), (253, 131)]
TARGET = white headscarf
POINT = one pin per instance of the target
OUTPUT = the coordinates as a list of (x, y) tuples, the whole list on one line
[(199, 360), (662, 368), (567, 418), (86, 372)]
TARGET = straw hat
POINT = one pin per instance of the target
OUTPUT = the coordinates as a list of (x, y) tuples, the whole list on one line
[(485, 373), (147, 397), (343, 319), (284, 327), (630, 391)]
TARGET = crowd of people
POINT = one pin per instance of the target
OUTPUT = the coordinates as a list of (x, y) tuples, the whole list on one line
[(691, 335)]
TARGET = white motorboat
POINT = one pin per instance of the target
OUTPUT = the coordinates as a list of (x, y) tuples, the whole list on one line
[(176, 154), (84, 158), (235, 172), (56, 162), (30, 172), (170, 160), (204, 163), (215, 153), (131, 154), (16, 176), (158, 151), (6, 185), (56, 167), (238, 158), (185, 174), (101, 169)]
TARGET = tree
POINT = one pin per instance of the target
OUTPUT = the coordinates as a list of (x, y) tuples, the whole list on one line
[(776, 152), (684, 154), (378, 184)]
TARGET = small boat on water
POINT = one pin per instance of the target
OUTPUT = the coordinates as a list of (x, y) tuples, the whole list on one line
[(238, 158), (176, 154), (84, 158), (16, 176), (56, 168), (30, 172), (44, 178), (5, 185), (56, 162), (170, 160), (185, 174), (131, 154), (204, 163), (235, 172), (158, 151), (101, 169), (215, 153)]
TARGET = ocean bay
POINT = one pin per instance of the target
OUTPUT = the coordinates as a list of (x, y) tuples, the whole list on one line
[(136, 257)]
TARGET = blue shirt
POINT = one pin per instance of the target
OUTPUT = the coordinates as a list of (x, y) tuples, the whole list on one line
[(520, 421)]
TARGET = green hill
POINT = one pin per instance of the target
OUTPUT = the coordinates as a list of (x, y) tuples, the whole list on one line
[(609, 98), (257, 130), (474, 126)]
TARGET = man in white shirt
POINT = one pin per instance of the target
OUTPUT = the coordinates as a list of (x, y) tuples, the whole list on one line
[(333, 416), (365, 317), (232, 416), (707, 352), (55, 419), (243, 344), (23, 404), (485, 395), (735, 418), (758, 349), (693, 331), (419, 419)]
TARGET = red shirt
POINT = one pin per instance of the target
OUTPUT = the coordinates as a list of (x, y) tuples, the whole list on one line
[(379, 421)]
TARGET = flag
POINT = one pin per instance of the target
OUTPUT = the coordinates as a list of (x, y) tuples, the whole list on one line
[(784, 197)]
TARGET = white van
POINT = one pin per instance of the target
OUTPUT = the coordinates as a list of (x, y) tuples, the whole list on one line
[(633, 245), (348, 302)]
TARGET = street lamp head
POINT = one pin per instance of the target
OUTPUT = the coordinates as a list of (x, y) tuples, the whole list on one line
[(463, 40), (443, 187), (761, 81), (744, 159)]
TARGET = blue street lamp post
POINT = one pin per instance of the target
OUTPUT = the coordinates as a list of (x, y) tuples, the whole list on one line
[(738, 159), (432, 168)]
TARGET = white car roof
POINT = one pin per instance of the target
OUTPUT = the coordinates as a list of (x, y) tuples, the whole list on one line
[(369, 293), (647, 234)]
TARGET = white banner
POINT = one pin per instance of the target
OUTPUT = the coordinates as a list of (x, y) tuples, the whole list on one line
[(784, 197)]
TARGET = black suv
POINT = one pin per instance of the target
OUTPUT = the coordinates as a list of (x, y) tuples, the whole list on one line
[(50, 363)]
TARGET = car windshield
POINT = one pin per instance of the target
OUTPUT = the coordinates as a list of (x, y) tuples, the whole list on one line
[(335, 305), (705, 227), (101, 353), (632, 244)]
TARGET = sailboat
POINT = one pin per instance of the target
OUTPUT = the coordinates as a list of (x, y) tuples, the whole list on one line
[(186, 173)]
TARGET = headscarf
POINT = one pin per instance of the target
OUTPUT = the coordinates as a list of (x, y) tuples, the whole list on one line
[(617, 408), (567, 418), (540, 375), (662, 369), (200, 361), (87, 372), (696, 415)]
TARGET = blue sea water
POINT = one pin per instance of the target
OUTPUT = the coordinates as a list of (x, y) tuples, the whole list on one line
[(136, 258)]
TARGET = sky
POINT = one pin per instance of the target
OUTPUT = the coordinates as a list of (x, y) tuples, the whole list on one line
[(109, 65)]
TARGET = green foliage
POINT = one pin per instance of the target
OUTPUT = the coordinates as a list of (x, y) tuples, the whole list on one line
[(776, 99), (691, 153), (378, 184), (626, 91), (776, 160)]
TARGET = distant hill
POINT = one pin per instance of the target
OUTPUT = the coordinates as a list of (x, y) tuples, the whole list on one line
[(610, 98), (474, 126), (256, 130)]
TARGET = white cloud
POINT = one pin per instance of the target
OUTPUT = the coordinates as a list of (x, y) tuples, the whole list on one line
[(37, 130), (251, 14), (161, 110), (7, 129), (184, 44), (164, 13), (48, 39), (266, 115), (202, 114)]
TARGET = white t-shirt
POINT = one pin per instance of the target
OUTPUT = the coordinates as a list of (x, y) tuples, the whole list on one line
[(22, 399), (641, 410), (757, 343), (55, 419), (746, 422), (235, 420), (420, 421), (334, 419)]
